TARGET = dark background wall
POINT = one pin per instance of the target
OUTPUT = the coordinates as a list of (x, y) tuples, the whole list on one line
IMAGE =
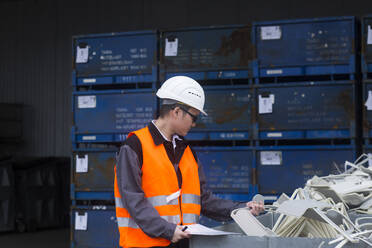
[(36, 51)]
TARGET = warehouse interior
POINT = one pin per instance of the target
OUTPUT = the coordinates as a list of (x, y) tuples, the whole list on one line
[(38, 46)]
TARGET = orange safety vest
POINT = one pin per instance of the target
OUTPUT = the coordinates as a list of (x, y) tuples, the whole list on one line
[(159, 182)]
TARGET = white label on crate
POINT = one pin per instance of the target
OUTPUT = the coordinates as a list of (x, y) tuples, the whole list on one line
[(274, 135), (87, 102), (271, 158), (89, 138), (369, 35), (171, 47), (82, 164), (265, 104), (81, 221), (272, 97), (271, 33), (82, 54), (272, 72), (99, 207), (368, 103), (89, 80)]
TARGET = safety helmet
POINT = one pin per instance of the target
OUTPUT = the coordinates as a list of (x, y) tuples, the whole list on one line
[(185, 90)]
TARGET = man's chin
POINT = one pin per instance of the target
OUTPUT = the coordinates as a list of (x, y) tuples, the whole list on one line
[(184, 134)]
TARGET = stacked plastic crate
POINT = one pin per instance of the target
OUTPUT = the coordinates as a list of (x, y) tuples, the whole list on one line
[(306, 100), (219, 59), (366, 66), (114, 81)]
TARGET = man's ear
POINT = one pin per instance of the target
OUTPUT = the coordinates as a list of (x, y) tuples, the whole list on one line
[(176, 110)]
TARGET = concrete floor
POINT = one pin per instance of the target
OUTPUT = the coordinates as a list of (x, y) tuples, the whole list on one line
[(56, 238)]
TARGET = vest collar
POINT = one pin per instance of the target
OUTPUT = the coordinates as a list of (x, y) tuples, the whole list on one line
[(158, 137)]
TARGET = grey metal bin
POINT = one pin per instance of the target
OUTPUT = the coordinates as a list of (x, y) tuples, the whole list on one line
[(244, 241)]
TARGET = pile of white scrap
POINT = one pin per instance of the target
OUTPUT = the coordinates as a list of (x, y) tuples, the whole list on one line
[(353, 187), (323, 209)]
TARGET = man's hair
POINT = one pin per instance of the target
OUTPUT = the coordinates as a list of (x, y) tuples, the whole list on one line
[(166, 108)]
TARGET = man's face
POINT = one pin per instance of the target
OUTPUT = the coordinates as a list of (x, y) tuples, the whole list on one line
[(184, 121)]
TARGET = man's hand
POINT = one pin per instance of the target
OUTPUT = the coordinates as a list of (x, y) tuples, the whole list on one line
[(255, 207), (179, 234)]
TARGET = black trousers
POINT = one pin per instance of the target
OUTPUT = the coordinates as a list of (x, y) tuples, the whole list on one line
[(183, 243)]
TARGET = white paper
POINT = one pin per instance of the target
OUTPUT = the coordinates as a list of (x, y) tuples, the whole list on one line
[(271, 33), (197, 229), (82, 54), (271, 158), (368, 103), (87, 102), (173, 196), (265, 104), (81, 221), (171, 47), (82, 164), (369, 34)]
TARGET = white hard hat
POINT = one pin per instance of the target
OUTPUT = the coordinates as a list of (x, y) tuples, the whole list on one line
[(185, 90)]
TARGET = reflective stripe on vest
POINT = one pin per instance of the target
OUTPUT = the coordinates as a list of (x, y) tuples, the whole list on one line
[(190, 218), (156, 201), (175, 219), (190, 198), (129, 222), (187, 218), (118, 202), (126, 222), (161, 200)]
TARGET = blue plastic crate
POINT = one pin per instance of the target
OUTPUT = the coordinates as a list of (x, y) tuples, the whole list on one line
[(229, 115), (108, 116), (93, 174), (101, 227), (316, 110), (283, 169), (207, 53), (366, 51), (115, 58), (228, 170), (303, 47), (367, 149)]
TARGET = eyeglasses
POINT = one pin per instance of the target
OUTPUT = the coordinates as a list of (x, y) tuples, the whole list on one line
[(194, 117)]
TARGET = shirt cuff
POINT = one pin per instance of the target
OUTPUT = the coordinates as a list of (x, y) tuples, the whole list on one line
[(169, 231)]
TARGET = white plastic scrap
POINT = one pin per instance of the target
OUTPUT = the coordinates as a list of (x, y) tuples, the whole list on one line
[(322, 209)]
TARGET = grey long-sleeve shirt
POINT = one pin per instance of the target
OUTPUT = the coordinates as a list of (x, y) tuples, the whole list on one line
[(129, 178)]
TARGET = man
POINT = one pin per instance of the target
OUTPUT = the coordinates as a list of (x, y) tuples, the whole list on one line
[(159, 182)]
